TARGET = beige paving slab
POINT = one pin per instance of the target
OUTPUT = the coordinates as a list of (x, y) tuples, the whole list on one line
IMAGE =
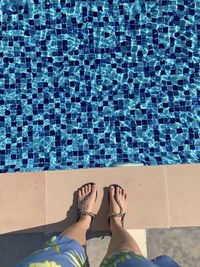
[(145, 186), (22, 201), (183, 187), (139, 236)]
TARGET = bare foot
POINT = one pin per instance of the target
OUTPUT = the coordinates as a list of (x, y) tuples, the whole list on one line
[(90, 191), (114, 207)]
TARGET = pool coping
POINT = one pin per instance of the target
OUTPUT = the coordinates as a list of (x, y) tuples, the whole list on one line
[(162, 196)]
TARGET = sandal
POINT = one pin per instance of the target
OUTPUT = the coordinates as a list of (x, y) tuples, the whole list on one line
[(114, 214), (82, 210)]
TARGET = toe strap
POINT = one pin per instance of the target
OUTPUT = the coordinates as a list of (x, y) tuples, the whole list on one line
[(121, 213)]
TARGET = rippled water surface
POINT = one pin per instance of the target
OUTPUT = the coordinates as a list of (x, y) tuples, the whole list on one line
[(94, 83)]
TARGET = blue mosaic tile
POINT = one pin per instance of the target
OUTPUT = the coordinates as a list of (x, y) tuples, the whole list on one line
[(94, 83)]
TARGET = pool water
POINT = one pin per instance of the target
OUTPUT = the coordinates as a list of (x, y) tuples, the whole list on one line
[(88, 84)]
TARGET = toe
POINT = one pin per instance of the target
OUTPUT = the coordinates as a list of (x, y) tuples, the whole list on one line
[(93, 189), (118, 191), (83, 191), (79, 193), (123, 193), (112, 191), (87, 188)]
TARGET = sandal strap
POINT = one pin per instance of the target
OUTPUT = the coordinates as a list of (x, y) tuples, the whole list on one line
[(119, 204), (82, 212), (114, 214), (121, 213)]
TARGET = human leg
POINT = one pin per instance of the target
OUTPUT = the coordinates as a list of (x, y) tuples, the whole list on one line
[(121, 240), (69, 247)]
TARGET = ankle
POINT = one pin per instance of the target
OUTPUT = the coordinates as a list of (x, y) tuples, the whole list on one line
[(86, 220), (115, 221)]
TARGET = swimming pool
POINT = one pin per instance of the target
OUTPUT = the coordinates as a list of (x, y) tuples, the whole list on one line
[(88, 84)]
